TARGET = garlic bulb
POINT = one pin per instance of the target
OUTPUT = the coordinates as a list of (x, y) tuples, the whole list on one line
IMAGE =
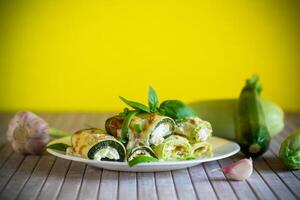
[(28, 133), (240, 170)]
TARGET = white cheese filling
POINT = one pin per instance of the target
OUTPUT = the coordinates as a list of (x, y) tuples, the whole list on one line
[(138, 153), (107, 152), (203, 134), (157, 136)]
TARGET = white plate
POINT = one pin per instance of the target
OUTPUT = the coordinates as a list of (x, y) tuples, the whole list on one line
[(221, 149)]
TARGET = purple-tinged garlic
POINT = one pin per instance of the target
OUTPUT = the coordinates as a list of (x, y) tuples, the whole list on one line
[(29, 134), (240, 170)]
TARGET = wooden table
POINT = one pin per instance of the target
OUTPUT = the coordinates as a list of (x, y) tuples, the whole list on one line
[(48, 177)]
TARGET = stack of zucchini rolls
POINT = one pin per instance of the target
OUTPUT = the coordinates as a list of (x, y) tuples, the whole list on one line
[(169, 132)]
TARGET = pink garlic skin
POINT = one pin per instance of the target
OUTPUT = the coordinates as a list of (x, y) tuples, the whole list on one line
[(240, 170), (27, 133)]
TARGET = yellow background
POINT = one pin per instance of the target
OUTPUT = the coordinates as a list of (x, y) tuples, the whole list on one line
[(74, 56)]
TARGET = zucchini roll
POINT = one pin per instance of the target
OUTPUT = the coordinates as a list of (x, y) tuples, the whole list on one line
[(194, 128), (174, 147), (202, 149), (96, 144), (144, 128), (113, 126), (141, 154)]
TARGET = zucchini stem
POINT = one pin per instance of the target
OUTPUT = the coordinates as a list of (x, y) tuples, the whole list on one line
[(58, 133)]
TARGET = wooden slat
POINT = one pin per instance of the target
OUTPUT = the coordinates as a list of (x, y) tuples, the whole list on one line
[(165, 186), (5, 153), (109, 185), (38, 177), (9, 168), (221, 186), (90, 183), (19, 179), (146, 186), (72, 183), (127, 186), (285, 175), (183, 184), (277, 186), (241, 188), (201, 183), (54, 181)]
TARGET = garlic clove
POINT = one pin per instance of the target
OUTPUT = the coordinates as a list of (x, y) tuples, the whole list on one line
[(240, 170)]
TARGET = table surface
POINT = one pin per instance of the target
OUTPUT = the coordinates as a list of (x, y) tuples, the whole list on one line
[(48, 177)]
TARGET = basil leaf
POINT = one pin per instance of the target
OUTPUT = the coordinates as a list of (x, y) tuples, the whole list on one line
[(141, 159), (135, 105), (125, 125), (58, 146), (176, 110), (152, 100)]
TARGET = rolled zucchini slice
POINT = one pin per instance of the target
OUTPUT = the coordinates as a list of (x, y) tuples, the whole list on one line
[(202, 149), (195, 129), (113, 126), (141, 154), (150, 129), (96, 144), (140, 129), (173, 148)]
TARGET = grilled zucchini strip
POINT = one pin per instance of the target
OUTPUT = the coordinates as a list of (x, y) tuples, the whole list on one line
[(174, 147), (95, 144), (194, 128), (202, 149), (141, 154)]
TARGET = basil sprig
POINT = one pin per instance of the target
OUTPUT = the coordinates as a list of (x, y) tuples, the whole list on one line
[(176, 109), (172, 108), (135, 105), (152, 100)]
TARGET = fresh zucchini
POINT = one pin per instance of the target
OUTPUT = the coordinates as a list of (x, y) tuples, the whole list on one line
[(221, 114), (251, 130)]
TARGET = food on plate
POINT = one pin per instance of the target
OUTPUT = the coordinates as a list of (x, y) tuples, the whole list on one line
[(252, 133), (140, 134), (202, 149), (141, 154), (96, 144), (194, 128), (175, 147), (290, 150), (148, 129)]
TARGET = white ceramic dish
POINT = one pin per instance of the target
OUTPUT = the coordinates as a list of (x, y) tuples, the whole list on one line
[(221, 149)]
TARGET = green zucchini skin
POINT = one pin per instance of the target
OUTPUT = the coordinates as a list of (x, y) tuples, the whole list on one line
[(105, 143), (143, 148), (251, 131)]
